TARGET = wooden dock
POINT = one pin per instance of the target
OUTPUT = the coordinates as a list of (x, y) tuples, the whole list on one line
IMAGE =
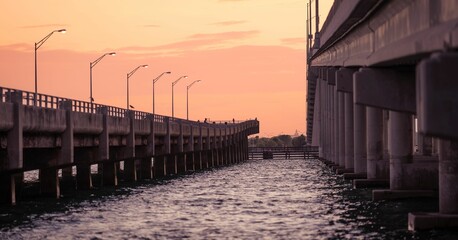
[(306, 152)]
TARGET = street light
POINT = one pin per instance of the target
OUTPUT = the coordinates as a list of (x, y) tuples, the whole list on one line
[(187, 98), (154, 81), (37, 46), (91, 65), (128, 76), (173, 84)]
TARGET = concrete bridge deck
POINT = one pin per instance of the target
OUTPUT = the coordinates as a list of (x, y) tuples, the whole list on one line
[(382, 100), (55, 133)]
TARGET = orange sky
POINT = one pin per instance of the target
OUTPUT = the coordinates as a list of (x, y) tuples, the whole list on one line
[(249, 54)]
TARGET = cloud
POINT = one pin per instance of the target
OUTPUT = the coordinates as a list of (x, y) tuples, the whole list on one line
[(17, 47), (45, 26), (195, 42), (225, 35), (232, 0), (228, 23), (293, 41), (151, 26)]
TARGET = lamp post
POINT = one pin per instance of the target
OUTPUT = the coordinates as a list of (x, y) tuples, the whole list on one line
[(130, 75), (187, 97), (37, 46), (154, 81), (173, 84), (91, 65)]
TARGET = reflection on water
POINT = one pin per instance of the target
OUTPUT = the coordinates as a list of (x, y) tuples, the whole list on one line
[(293, 199)]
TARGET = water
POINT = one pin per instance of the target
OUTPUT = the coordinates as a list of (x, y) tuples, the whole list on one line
[(273, 199)]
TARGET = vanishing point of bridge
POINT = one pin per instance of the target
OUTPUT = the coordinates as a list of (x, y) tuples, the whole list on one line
[(383, 100), (57, 134)]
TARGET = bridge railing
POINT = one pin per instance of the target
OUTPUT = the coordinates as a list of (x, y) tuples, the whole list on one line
[(53, 102)]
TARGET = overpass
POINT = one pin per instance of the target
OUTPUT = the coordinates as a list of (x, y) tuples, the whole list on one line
[(53, 134), (382, 100)]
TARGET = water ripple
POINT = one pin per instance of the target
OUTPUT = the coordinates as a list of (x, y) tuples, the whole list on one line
[(279, 199)]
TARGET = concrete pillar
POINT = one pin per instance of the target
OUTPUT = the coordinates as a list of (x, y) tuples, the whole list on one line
[(110, 174), (341, 122), (181, 163), (83, 177), (400, 147), (424, 145), (447, 217), (374, 130), (332, 124), (320, 93), (159, 166), (109, 177), (325, 120), (180, 159), (130, 168), (147, 162), (66, 153), (448, 177), (49, 182), (349, 131), (15, 159), (8, 189), (377, 166), (360, 151), (146, 168), (190, 164), (67, 173), (331, 79), (436, 111), (336, 130)]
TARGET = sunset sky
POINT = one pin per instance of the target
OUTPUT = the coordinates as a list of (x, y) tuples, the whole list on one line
[(249, 54)]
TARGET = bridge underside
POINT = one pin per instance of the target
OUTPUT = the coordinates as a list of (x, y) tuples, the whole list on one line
[(382, 100)]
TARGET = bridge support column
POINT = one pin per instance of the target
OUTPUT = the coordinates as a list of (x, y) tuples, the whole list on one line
[(83, 177), (360, 155), (14, 156), (147, 162), (181, 163), (8, 189), (190, 164), (146, 168), (436, 90), (404, 177), (171, 164), (377, 166), (49, 182), (130, 166), (210, 159), (198, 159), (344, 87), (110, 174), (160, 168)]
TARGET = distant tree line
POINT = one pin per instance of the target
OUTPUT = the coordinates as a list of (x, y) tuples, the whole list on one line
[(278, 141)]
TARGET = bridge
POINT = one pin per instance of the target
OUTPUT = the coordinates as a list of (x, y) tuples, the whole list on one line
[(382, 100), (50, 134)]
